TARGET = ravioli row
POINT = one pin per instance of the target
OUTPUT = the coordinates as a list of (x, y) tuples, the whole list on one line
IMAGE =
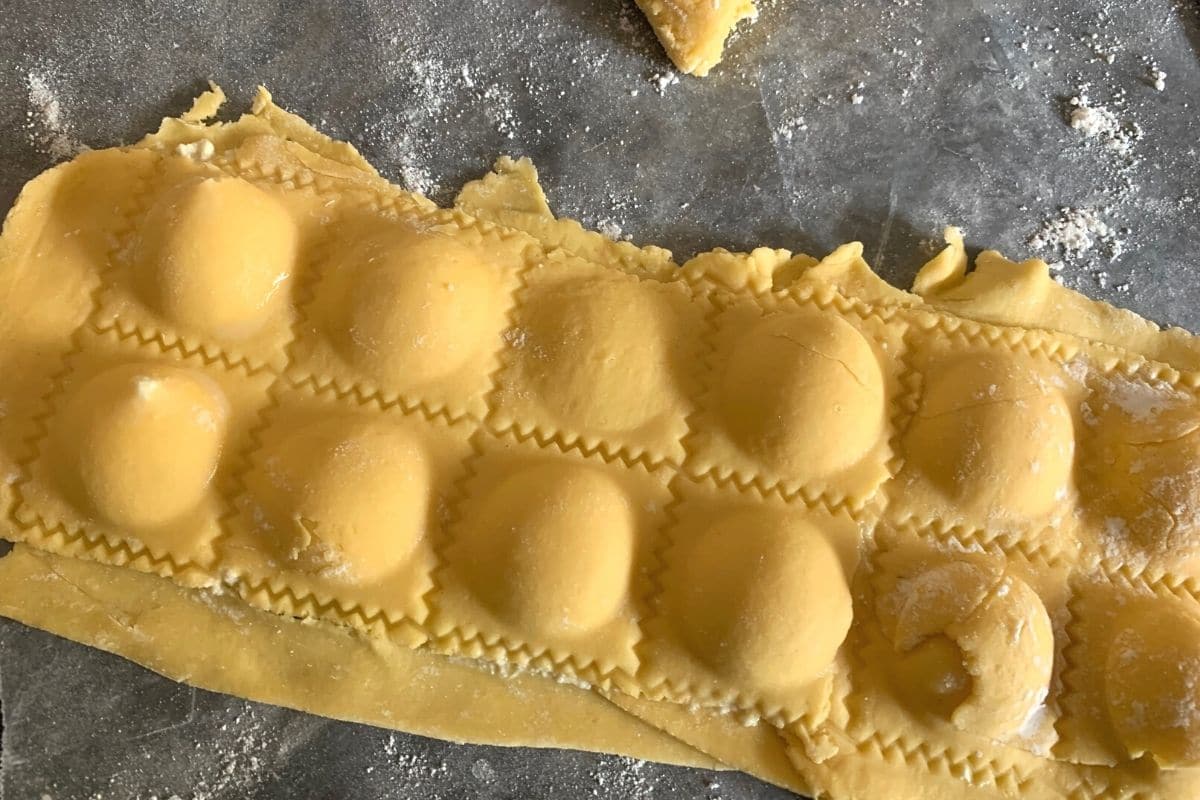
[(854, 519)]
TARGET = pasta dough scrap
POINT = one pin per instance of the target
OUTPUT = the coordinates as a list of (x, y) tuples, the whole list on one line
[(693, 32), (723, 447), (142, 618)]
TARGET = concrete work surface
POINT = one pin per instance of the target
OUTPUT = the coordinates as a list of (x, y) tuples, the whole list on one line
[(874, 120)]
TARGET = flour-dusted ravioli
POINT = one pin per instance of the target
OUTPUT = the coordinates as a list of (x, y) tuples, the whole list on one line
[(932, 544)]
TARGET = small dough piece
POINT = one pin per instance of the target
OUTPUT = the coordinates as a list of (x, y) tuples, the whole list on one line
[(694, 31)]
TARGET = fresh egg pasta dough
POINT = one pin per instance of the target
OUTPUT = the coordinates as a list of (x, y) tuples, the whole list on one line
[(758, 510), (693, 32)]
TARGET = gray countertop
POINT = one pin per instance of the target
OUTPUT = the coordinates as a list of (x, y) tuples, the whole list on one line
[(875, 120)]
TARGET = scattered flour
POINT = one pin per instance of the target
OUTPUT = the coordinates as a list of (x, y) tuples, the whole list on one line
[(610, 229), (233, 761), (1157, 78), (237, 769), (202, 150), (482, 771), (664, 80), (1092, 121), (48, 126), (1104, 48), (1101, 112), (1076, 231), (1099, 123), (621, 777), (788, 127), (413, 774), (437, 94), (1095, 206), (515, 337)]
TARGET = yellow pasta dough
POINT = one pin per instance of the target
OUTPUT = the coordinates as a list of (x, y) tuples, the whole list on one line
[(857, 541), (693, 32), (255, 654)]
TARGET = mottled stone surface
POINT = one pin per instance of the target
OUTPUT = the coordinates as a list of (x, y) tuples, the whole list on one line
[(962, 117)]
